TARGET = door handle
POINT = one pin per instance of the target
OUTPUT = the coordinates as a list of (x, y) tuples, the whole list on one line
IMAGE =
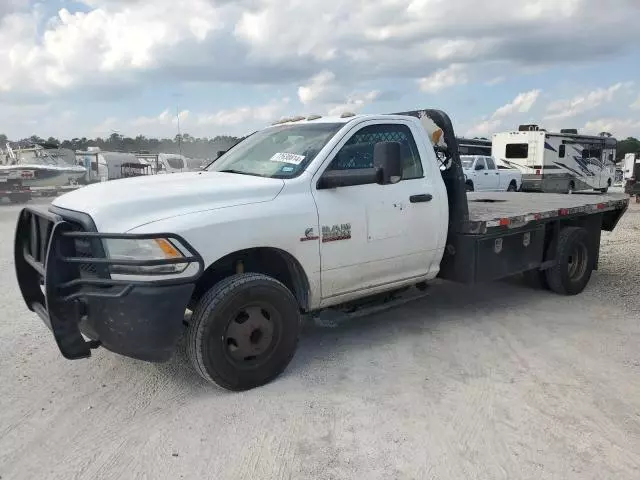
[(486, 173), (424, 197)]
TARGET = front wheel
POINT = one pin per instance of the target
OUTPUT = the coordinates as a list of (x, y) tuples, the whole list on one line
[(244, 331)]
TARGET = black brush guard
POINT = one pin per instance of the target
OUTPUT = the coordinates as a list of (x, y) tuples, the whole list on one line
[(63, 274)]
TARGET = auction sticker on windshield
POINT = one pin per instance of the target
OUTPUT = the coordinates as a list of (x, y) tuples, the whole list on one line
[(284, 157)]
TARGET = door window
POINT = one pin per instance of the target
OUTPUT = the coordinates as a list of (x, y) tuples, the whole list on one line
[(491, 165), (481, 161), (358, 151)]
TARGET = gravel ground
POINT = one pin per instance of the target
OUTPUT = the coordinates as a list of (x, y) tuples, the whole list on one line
[(490, 382)]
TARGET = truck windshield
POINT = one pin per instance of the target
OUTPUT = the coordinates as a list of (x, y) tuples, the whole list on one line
[(283, 151)]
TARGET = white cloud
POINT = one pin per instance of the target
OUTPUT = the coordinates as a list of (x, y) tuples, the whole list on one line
[(619, 127), (448, 77), (484, 128), (320, 88), (118, 42), (339, 56), (583, 102), (355, 102), (233, 121), (496, 80), (521, 104), (262, 114), (106, 44), (167, 117)]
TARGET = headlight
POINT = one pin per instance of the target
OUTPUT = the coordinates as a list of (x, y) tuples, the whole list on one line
[(141, 250)]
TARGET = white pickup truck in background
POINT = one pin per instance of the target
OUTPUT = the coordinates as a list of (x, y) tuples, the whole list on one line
[(484, 174), (299, 217)]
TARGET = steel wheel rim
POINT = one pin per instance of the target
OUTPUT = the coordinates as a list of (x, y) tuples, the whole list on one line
[(577, 262), (251, 334)]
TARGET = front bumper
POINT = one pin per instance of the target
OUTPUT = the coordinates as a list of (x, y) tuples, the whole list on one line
[(64, 277)]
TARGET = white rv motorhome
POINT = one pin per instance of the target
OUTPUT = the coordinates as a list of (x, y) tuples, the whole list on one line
[(557, 162), (628, 165)]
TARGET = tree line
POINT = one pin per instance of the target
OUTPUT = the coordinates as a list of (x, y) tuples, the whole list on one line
[(193, 147)]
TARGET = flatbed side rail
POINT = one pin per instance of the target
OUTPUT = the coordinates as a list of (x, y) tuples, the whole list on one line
[(58, 279), (613, 210)]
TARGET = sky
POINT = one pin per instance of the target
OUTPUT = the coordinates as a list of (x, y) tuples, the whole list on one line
[(89, 68)]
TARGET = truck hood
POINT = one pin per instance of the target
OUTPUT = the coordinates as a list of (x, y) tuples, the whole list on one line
[(120, 205)]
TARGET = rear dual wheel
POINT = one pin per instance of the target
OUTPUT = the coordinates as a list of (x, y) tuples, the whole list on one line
[(244, 331), (575, 261)]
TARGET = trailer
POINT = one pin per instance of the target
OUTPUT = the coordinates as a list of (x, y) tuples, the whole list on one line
[(474, 146), (564, 162), (12, 186)]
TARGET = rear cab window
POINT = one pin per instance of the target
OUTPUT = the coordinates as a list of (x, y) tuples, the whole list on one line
[(491, 165)]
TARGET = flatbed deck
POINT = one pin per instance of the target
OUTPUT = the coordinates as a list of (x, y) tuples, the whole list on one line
[(506, 210)]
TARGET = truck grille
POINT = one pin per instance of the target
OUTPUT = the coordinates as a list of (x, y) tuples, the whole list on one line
[(39, 235), (83, 248)]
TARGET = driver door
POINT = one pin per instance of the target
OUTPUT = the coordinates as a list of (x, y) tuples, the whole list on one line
[(375, 235)]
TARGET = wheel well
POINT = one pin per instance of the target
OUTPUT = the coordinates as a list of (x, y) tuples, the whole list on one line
[(273, 262), (513, 181)]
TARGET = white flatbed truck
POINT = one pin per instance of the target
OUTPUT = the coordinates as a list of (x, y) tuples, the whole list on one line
[(297, 218)]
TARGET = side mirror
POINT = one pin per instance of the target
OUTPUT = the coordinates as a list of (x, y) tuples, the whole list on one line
[(479, 167), (347, 178), (387, 159)]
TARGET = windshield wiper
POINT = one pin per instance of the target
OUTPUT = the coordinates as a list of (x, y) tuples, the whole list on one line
[(239, 172)]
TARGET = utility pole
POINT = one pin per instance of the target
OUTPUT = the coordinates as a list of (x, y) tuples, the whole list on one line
[(179, 132)]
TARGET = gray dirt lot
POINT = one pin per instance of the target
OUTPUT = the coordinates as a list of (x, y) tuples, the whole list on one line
[(496, 381)]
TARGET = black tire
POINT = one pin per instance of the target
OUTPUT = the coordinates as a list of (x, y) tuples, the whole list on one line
[(575, 261), (536, 279), (513, 187), (240, 355), (469, 186)]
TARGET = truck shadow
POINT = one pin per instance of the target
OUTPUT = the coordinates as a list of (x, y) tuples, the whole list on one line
[(445, 303)]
